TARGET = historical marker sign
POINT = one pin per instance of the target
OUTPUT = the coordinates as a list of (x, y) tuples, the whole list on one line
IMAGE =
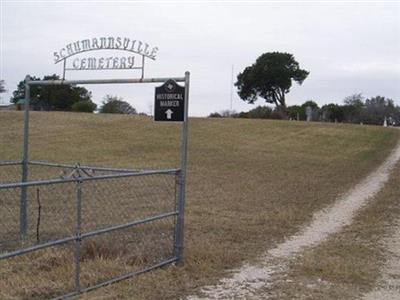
[(169, 102)]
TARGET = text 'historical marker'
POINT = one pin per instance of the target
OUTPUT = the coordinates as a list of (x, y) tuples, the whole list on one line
[(169, 102)]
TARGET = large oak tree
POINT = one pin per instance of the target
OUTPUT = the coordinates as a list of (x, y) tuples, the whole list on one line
[(270, 78)]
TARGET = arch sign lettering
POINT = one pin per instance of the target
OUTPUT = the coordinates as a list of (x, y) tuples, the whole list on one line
[(132, 48)]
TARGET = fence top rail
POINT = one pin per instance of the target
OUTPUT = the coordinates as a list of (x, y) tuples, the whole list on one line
[(82, 179), (57, 165), (104, 81), (8, 163)]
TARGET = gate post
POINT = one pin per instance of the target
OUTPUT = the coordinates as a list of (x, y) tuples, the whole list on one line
[(182, 177), (23, 222), (78, 231)]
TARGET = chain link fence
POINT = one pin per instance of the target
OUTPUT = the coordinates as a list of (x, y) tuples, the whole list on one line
[(84, 227), (10, 171)]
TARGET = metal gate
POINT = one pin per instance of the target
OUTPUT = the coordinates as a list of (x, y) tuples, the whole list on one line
[(68, 229)]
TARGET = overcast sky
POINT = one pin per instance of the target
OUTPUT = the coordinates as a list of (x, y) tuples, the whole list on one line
[(348, 47)]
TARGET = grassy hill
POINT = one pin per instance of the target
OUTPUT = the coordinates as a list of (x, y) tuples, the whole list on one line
[(250, 182)]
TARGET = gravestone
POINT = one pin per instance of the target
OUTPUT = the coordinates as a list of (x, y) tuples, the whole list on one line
[(309, 112)]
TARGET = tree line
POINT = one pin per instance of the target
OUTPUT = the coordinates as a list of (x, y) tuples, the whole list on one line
[(270, 78), (355, 109), (66, 98)]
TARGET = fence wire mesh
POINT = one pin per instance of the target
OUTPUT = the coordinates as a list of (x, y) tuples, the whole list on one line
[(50, 214), (124, 199), (42, 274), (10, 172), (85, 227)]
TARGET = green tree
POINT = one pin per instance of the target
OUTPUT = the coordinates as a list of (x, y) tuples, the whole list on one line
[(314, 110), (260, 112), (333, 112), (270, 78), (310, 103), (296, 111), (355, 100), (376, 109), (215, 115), (116, 105), (352, 110), (52, 97), (19, 93), (84, 106)]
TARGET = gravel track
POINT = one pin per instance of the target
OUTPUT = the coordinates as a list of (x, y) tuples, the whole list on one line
[(389, 285), (244, 282)]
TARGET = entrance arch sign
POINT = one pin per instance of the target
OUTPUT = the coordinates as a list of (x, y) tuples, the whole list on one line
[(128, 45), (174, 91)]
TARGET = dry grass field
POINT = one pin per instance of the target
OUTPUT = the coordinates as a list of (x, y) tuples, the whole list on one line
[(250, 183)]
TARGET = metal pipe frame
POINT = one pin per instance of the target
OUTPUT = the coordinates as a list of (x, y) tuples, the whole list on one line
[(24, 184), (86, 235), (25, 159), (23, 213), (10, 163), (117, 279), (104, 81), (78, 238), (99, 177), (179, 234), (104, 69), (56, 165)]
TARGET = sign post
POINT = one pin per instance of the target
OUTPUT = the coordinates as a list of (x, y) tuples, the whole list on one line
[(171, 105), (182, 178)]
